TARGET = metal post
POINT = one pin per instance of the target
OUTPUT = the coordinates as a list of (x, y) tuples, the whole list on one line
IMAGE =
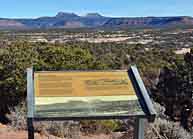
[(30, 103), (30, 128), (139, 128)]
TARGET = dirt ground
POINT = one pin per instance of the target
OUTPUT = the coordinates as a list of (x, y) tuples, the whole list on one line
[(7, 133)]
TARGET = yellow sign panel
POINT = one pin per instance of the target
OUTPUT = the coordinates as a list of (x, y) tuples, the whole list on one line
[(85, 94), (79, 84)]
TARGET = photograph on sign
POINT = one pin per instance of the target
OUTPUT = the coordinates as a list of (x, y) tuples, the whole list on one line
[(85, 94)]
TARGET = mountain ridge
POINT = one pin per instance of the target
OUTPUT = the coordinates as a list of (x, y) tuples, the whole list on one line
[(93, 20)]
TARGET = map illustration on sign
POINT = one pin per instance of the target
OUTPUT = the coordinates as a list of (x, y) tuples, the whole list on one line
[(85, 94)]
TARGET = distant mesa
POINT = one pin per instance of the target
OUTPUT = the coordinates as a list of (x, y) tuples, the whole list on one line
[(94, 20), (65, 14), (94, 15), (6, 23)]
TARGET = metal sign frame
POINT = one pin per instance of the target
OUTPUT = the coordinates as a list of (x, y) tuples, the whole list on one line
[(139, 88)]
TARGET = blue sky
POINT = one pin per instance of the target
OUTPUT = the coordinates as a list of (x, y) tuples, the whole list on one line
[(37, 8)]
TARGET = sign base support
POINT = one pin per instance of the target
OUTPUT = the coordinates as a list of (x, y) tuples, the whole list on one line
[(30, 128), (139, 128)]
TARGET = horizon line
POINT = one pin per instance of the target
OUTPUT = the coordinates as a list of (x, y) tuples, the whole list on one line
[(83, 15)]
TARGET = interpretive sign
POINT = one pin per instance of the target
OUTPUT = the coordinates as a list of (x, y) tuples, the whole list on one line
[(83, 95)]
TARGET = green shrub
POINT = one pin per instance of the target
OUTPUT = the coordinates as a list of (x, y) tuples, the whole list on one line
[(100, 126)]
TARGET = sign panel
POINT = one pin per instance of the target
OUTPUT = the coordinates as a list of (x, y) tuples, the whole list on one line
[(85, 94)]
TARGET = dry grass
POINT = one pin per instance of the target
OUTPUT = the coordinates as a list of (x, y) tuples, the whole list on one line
[(164, 129), (18, 117)]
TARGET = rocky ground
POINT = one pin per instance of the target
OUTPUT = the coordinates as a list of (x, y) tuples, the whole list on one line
[(8, 133)]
